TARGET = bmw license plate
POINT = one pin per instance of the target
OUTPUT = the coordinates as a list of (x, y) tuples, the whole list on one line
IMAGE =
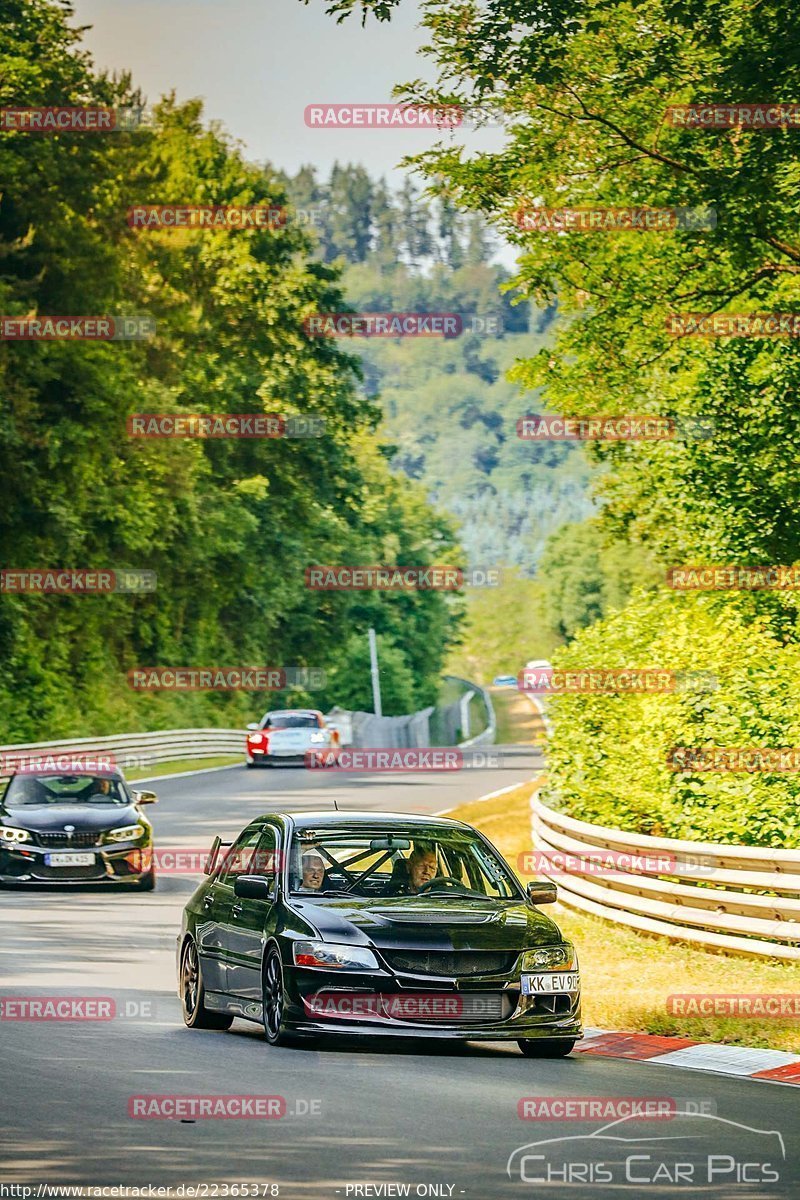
[(548, 983), (70, 860)]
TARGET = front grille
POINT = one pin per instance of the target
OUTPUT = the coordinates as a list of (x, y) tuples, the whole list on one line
[(452, 1008), (63, 841), (69, 874), (451, 963)]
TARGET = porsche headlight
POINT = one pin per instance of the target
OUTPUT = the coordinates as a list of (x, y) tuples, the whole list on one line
[(7, 834), (318, 737), (331, 956), (127, 833), (550, 958)]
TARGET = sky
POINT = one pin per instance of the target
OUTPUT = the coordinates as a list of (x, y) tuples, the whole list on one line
[(258, 63)]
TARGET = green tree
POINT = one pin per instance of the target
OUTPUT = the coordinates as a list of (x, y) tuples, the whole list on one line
[(584, 576), (228, 526)]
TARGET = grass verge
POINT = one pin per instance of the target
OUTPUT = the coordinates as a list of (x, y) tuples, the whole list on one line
[(627, 976), (517, 720), (183, 764)]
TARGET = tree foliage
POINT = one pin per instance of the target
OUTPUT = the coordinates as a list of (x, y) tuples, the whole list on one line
[(227, 525), (583, 93)]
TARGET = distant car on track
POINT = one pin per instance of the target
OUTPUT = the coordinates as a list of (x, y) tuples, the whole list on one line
[(288, 736), (83, 827), (378, 924), (504, 681)]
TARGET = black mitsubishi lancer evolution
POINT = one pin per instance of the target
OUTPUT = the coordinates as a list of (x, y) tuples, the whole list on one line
[(378, 924)]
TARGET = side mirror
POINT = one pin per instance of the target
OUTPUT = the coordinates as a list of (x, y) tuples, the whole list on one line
[(145, 798), (542, 893), (253, 887), (254, 725)]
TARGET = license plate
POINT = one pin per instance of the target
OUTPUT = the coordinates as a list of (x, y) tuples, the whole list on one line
[(70, 860), (548, 983)]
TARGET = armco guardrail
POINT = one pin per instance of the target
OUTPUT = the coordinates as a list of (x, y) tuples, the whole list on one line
[(744, 899), (132, 750), (454, 720), (362, 729), (443, 725)]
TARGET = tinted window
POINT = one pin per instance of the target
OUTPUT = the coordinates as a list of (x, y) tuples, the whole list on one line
[(265, 860), (240, 856), (30, 790)]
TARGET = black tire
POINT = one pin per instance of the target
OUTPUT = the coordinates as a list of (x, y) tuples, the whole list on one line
[(273, 999), (193, 994), (147, 883), (250, 766), (546, 1047)]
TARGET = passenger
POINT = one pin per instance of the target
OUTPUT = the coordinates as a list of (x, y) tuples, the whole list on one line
[(313, 867)]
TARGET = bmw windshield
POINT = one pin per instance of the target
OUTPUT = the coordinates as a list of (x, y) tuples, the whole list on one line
[(29, 791), (434, 861)]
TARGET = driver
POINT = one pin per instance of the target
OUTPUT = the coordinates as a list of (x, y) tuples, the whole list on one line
[(313, 868), (102, 787), (420, 868)]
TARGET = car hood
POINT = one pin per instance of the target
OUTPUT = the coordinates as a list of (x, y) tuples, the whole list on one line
[(416, 922), (53, 817)]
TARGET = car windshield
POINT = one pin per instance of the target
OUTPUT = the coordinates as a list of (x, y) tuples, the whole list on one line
[(290, 721), (433, 860), (31, 790)]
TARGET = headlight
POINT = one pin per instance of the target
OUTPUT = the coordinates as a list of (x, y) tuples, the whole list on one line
[(331, 956), (550, 958), (128, 833), (318, 737), (14, 835)]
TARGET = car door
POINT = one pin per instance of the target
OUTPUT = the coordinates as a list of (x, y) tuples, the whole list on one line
[(249, 922), (216, 905)]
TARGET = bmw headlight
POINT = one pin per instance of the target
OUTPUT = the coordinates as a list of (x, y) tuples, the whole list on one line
[(331, 956), (7, 834), (126, 833), (551, 958)]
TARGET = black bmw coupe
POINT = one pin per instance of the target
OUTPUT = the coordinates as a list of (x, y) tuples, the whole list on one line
[(82, 827), (375, 923)]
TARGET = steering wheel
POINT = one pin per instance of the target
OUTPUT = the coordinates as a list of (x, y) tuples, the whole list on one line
[(438, 880)]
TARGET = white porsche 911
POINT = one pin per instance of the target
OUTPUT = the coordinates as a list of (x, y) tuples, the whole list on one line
[(288, 736)]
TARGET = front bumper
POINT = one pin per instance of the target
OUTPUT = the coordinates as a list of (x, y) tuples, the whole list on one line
[(557, 1016), (291, 755), (25, 864)]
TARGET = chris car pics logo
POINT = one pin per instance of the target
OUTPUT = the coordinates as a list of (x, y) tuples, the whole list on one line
[(693, 1150)]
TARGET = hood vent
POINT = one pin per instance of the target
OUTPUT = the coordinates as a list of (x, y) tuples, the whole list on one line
[(436, 917)]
